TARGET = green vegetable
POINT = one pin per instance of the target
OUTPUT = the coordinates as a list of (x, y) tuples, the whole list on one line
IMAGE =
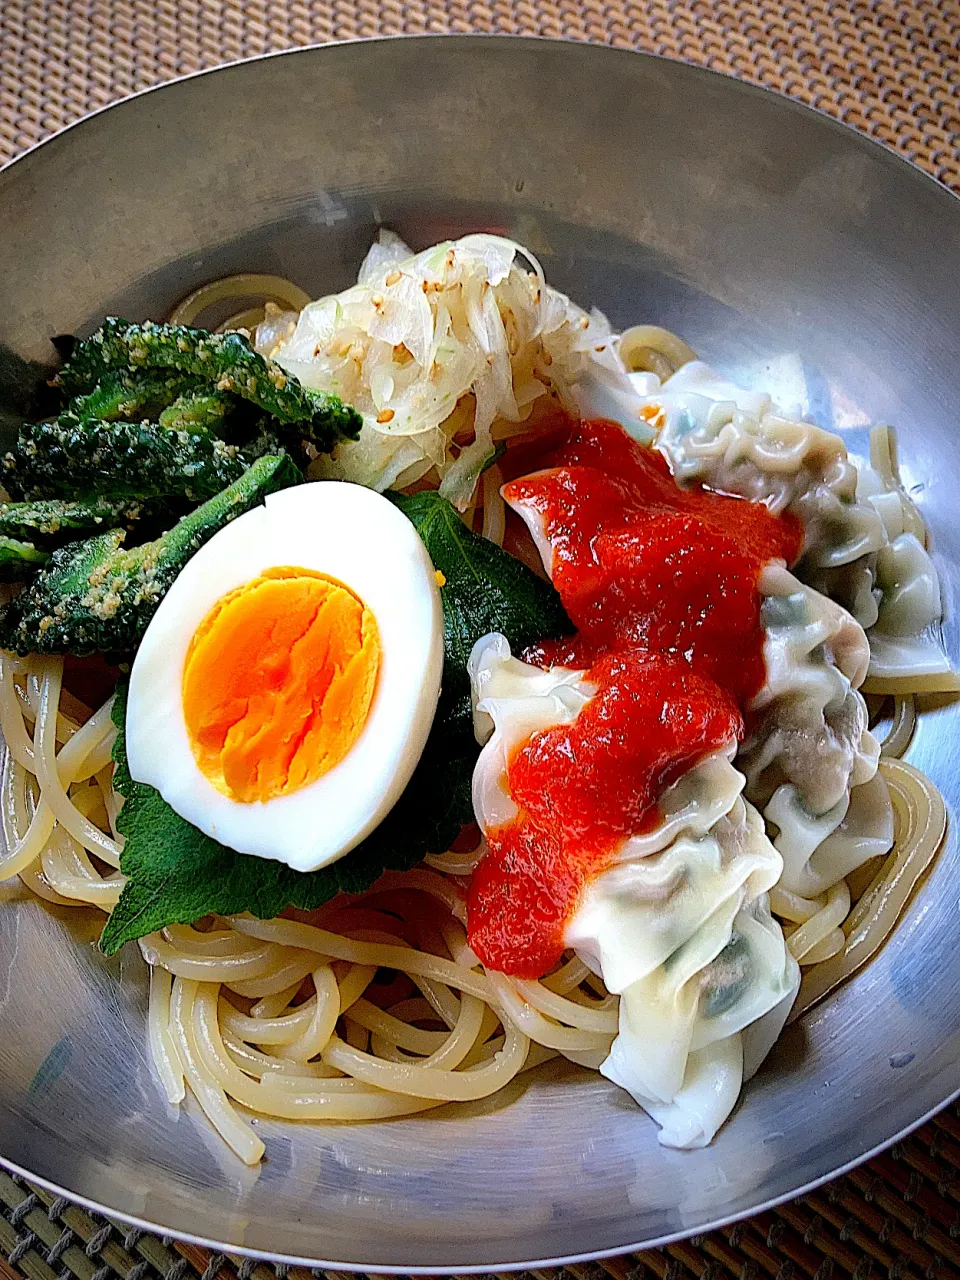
[(53, 521), (176, 401), (226, 360), (197, 411), (130, 398), (176, 874), (19, 560), (98, 597), (123, 460), (486, 590)]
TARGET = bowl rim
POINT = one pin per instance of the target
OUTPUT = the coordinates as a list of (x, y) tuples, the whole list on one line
[(457, 37), (872, 144), (595, 1255)]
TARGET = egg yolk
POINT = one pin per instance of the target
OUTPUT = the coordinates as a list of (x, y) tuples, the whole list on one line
[(278, 682)]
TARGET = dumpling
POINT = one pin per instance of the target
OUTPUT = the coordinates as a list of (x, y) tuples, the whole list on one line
[(793, 658), (694, 1029), (676, 922), (810, 760), (864, 540), (809, 722), (737, 442), (514, 700), (820, 850)]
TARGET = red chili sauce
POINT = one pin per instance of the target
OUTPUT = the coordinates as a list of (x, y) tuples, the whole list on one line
[(662, 586)]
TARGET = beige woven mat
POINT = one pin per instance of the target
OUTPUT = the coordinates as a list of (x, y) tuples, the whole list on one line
[(888, 68)]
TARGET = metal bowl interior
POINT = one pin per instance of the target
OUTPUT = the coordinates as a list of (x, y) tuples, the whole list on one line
[(790, 252)]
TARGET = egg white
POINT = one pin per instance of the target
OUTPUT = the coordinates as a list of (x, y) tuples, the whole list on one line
[(357, 537)]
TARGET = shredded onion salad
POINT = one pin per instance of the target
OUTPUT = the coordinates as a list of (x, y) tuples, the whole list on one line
[(445, 353)]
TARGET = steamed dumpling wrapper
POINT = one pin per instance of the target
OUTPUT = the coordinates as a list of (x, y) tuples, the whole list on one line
[(894, 593), (811, 762), (696, 1028), (738, 442), (810, 721), (808, 745), (683, 1004), (678, 923), (820, 850), (864, 540)]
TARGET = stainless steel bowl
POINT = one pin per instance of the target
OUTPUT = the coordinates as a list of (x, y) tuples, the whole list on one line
[(789, 251)]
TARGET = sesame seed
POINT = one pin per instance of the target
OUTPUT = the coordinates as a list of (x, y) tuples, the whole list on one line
[(386, 415), (393, 278)]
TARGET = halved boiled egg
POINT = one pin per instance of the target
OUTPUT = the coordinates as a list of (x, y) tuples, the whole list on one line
[(283, 693)]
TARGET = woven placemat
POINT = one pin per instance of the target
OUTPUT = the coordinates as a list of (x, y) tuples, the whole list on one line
[(889, 68), (898, 1216), (892, 70)]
